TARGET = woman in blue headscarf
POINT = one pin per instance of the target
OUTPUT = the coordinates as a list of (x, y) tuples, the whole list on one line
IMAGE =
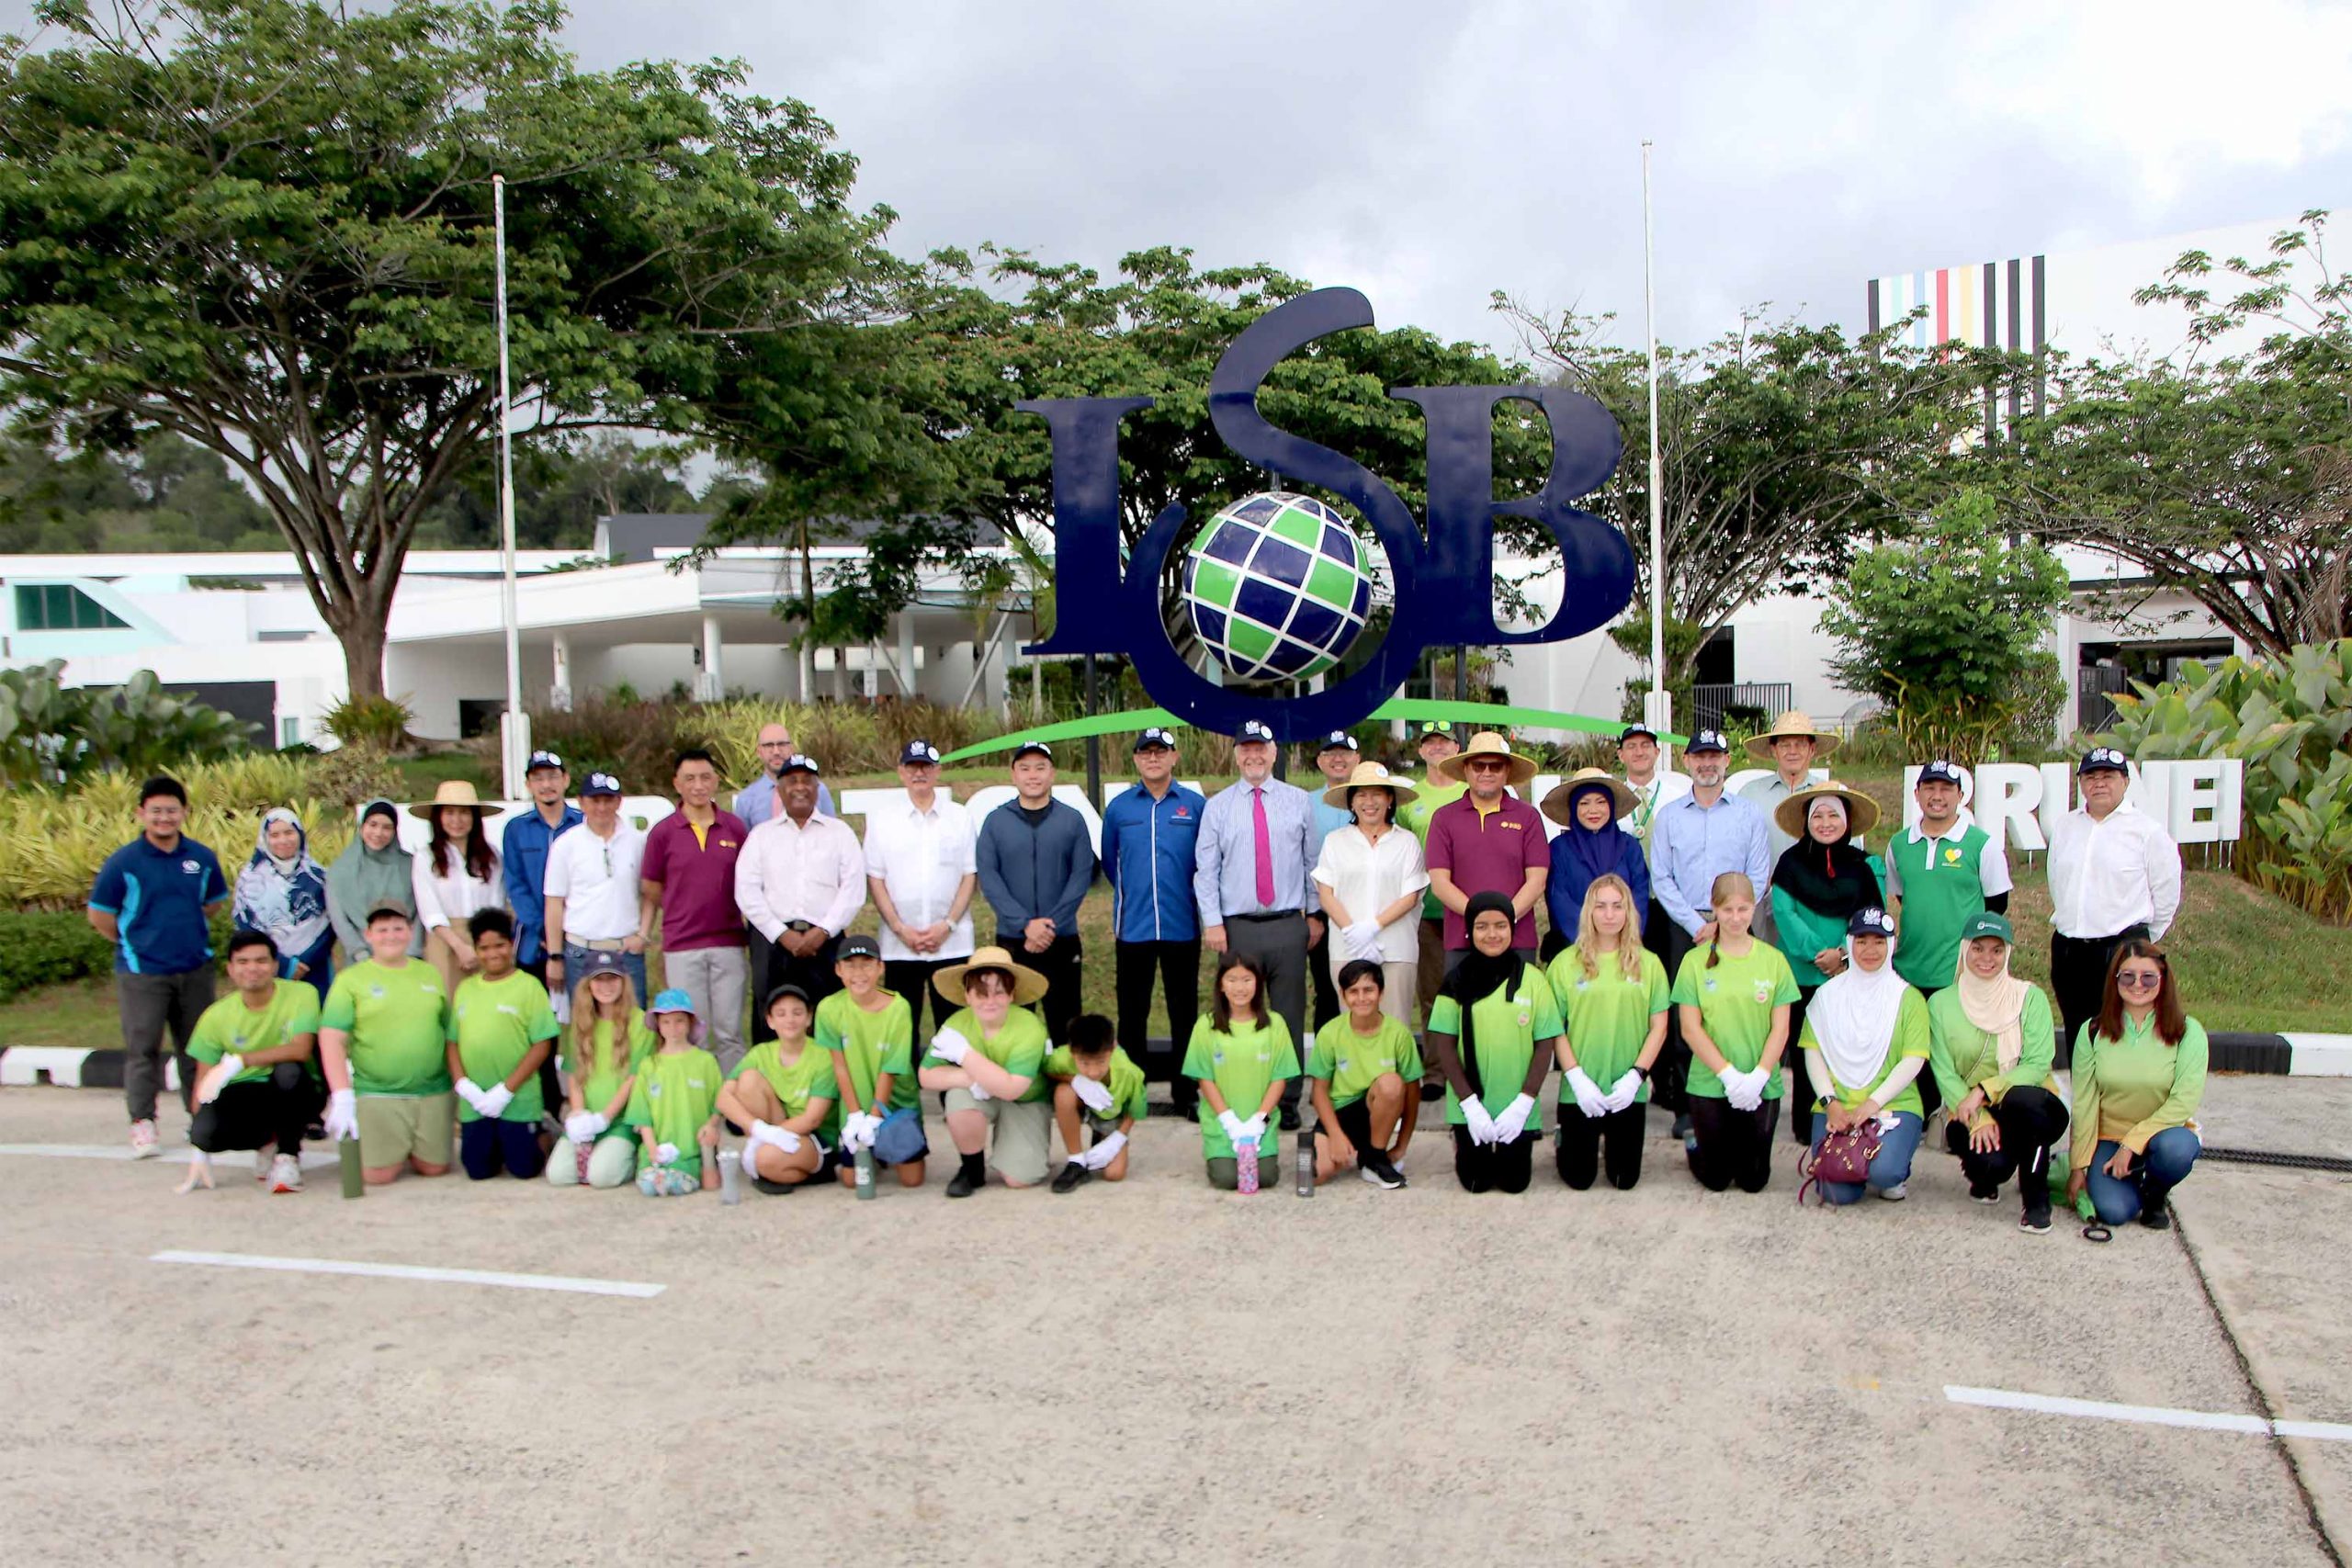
[(282, 893), (1587, 804)]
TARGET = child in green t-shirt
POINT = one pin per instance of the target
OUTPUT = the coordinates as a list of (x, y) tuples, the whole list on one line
[(1363, 1066), (1098, 1098), (988, 1060), (674, 1104), (783, 1097), (608, 1037), (501, 1029), (871, 1033), (1243, 1056), (1733, 996)]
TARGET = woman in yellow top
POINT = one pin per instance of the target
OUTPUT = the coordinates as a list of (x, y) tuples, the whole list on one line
[(2139, 1078), (1865, 1040)]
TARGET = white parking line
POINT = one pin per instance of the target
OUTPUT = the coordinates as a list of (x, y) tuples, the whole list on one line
[(2148, 1414), (412, 1271)]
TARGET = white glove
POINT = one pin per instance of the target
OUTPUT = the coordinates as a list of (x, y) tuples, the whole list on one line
[(1096, 1096), (1232, 1125), (1513, 1121), (1103, 1153), (1624, 1092), (575, 1127), (1742, 1090), (217, 1077), (470, 1092), (949, 1045), (1365, 938), (768, 1132), (495, 1101), (1255, 1128), (343, 1114), (1482, 1126), (666, 1153), (855, 1134), (975, 1091), (598, 1124), (1588, 1097)]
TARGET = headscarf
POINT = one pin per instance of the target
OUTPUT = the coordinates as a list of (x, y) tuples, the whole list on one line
[(1832, 880), (1595, 848), (362, 879), (1476, 978), (1853, 1016), (285, 898), (1995, 1006)]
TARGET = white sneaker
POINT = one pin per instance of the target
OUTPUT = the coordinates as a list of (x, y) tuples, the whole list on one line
[(1894, 1194), (286, 1174), (142, 1139)]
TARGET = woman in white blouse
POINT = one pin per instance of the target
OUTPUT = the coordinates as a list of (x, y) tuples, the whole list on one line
[(1370, 879), (455, 875)]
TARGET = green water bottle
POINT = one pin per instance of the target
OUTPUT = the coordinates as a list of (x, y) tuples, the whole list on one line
[(354, 1180), (866, 1188)]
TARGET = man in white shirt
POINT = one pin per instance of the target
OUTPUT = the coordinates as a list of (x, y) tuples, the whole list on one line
[(921, 871), (593, 872), (2114, 872), (1652, 785), (800, 882)]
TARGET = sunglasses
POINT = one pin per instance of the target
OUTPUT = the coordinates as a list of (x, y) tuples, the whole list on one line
[(2139, 980)]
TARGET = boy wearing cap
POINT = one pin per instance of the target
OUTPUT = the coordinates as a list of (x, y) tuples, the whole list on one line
[(1036, 862), (871, 1033), (1336, 759), (1149, 836), (523, 857), (784, 1094), (922, 873), (1097, 1099), (383, 1044), (500, 1029), (1940, 876), (800, 882), (592, 886), (2114, 874), (1692, 842)]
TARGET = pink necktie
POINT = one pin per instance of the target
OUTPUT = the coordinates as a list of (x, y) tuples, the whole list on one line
[(1264, 844)]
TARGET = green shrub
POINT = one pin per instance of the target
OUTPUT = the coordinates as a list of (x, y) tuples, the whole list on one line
[(52, 733), (39, 950), (378, 722), (2290, 722)]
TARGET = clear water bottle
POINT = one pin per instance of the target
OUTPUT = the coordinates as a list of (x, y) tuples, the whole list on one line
[(1305, 1163), (730, 1176), (1245, 1160), (866, 1188)]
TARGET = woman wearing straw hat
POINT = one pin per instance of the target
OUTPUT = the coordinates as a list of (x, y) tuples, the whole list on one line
[(456, 874), (1819, 883), (1370, 877), (1588, 804), (1790, 747), (1487, 841), (987, 1059)]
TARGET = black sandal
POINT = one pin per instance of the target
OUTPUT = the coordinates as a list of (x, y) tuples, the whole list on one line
[(2094, 1231)]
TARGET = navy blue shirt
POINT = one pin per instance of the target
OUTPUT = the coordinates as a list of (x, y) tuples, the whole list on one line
[(157, 899), (522, 856)]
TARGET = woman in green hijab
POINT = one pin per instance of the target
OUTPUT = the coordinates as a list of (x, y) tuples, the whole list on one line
[(374, 870)]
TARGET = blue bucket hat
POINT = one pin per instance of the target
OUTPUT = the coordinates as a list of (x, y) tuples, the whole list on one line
[(676, 1001)]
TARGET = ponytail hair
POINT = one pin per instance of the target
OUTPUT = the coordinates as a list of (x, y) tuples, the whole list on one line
[(1730, 885)]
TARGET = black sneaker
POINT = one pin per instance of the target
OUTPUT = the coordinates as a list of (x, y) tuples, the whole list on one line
[(1682, 1126), (1376, 1167), (774, 1189), (961, 1185), (2157, 1219), (2035, 1221), (1073, 1178), (1432, 1091), (1290, 1118), (1984, 1194)]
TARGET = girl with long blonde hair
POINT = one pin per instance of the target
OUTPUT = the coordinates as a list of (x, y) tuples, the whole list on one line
[(607, 1039), (1613, 996)]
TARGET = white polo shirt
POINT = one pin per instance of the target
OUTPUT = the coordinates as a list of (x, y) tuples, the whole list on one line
[(922, 858), (596, 878), (2107, 876)]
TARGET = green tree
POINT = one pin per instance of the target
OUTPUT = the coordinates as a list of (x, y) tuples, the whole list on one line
[(167, 494), (1946, 629), (264, 226), (561, 490)]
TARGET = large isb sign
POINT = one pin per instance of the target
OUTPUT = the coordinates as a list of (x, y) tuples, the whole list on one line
[(1443, 580)]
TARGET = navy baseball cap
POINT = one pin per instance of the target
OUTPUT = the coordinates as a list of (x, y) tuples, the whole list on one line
[(1939, 772), (1632, 731), (1708, 740), (2103, 759), (1254, 729), (857, 946), (1155, 736), (600, 784), (1033, 749), (1337, 739), (542, 760), (918, 750), (797, 763), (1872, 921), (597, 961)]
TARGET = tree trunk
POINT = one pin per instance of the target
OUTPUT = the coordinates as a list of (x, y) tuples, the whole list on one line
[(362, 636)]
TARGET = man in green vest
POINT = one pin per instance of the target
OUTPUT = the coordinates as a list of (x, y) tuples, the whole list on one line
[(1436, 744), (1940, 874)]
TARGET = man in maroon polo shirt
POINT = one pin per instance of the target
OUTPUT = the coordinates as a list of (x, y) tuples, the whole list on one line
[(690, 881), (1487, 841)]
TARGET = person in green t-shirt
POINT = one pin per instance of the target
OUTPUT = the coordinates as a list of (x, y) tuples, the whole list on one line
[(674, 1103), (1613, 997), (989, 1061), (1865, 1041), (783, 1093), (1097, 1099), (2139, 1078), (1242, 1056), (500, 1029), (383, 1042), (871, 1033), (259, 1090), (1990, 1046), (1493, 1031), (1733, 995), (1364, 1067), (608, 1038)]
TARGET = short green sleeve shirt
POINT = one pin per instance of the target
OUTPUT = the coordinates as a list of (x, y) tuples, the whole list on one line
[(872, 1044), (1735, 1000), (1510, 1021), (1125, 1081), (1912, 1038), (1351, 1062), (398, 1021), (676, 1093), (1607, 1016), (229, 1028), (807, 1077), (494, 1023), (1019, 1047), (1244, 1063), (604, 1075)]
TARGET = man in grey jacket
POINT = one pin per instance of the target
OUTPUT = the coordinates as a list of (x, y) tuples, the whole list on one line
[(1035, 862)]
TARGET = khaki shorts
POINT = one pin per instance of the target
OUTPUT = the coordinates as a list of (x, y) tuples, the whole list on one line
[(394, 1129), (1020, 1130)]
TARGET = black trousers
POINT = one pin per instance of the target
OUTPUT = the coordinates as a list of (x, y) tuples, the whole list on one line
[(1584, 1139), (276, 1110), (1800, 1100), (550, 1081), (1060, 964), (1495, 1167), (813, 974), (1734, 1145), (1931, 1093), (2031, 1120), (1324, 997), (1672, 945), (1176, 965), (2077, 977), (910, 978)]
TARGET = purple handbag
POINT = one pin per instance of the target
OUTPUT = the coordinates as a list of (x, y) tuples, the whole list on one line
[(1843, 1157)]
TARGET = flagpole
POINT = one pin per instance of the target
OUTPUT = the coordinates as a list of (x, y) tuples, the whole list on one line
[(1659, 705), (513, 731)]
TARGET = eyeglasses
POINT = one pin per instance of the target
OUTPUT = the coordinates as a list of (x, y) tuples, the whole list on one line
[(2139, 980)]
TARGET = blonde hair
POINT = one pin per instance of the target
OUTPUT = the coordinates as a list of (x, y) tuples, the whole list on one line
[(1629, 942), (583, 1027), (1731, 884)]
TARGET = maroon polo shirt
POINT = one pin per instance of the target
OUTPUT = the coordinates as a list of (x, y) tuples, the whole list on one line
[(697, 877), (1488, 853)]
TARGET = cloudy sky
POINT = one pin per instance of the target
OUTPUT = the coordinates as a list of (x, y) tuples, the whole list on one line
[(1429, 154)]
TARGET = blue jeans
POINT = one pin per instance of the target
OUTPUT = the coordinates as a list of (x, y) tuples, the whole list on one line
[(2154, 1174), (575, 960), (1891, 1167)]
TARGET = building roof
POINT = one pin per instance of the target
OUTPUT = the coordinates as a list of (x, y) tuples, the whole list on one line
[(638, 537)]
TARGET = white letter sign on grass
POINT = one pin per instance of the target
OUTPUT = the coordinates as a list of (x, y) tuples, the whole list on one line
[(2199, 801)]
